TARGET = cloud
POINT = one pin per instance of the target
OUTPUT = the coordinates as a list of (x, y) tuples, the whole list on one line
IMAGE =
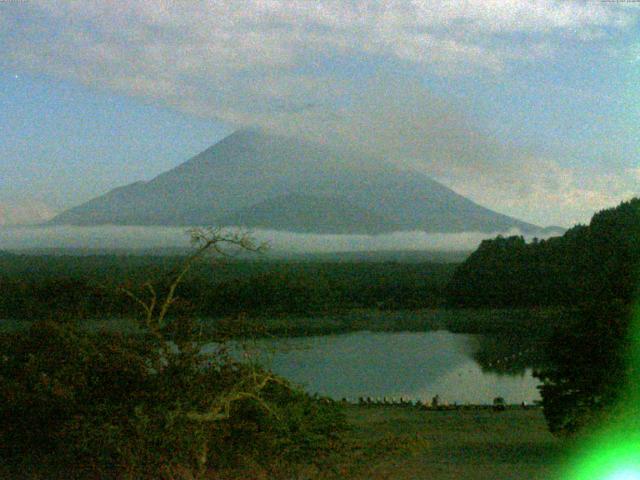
[(117, 237), (25, 213), (229, 59), (633, 173), (415, 130), (237, 61), (276, 64), (547, 193), (240, 62)]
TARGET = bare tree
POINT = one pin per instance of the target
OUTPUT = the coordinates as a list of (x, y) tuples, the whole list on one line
[(220, 244)]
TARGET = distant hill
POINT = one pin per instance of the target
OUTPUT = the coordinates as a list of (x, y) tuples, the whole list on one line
[(258, 180)]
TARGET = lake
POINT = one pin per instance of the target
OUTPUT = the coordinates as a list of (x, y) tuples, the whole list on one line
[(414, 366)]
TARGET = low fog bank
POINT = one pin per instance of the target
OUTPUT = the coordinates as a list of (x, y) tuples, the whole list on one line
[(144, 237)]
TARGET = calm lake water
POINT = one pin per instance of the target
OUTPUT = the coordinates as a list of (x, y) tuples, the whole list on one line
[(416, 366)]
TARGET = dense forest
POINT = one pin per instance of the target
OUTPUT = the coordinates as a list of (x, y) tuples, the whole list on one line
[(598, 261), (90, 287), (593, 269)]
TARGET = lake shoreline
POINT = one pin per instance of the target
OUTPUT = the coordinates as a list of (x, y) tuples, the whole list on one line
[(400, 367), (456, 320), (405, 444), (469, 444)]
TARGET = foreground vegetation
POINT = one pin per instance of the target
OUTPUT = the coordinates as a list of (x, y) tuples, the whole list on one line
[(595, 270), (92, 402), (398, 443), (80, 404)]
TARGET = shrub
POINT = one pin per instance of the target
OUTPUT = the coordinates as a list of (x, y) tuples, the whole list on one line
[(150, 406), (99, 403), (587, 371)]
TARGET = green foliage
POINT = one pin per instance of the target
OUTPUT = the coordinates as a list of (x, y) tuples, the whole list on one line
[(106, 405), (40, 287), (594, 269), (587, 368), (109, 405), (600, 261)]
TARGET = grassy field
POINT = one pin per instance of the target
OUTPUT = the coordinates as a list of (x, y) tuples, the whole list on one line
[(398, 443), (404, 443)]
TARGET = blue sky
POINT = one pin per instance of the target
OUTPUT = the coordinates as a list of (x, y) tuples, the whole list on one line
[(63, 143), (529, 107)]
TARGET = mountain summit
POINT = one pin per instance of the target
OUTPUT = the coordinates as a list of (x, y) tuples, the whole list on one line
[(264, 181)]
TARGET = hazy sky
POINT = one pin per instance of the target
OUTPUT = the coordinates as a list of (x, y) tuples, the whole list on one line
[(528, 107)]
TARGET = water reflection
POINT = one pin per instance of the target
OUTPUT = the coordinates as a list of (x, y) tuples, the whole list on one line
[(510, 354), (459, 368)]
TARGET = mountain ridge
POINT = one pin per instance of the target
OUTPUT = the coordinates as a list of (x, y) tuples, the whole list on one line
[(248, 176)]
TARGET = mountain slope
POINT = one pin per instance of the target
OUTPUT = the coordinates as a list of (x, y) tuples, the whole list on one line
[(311, 214), (267, 181)]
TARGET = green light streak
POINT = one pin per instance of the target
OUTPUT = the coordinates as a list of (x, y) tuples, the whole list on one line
[(609, 456), (613, 453)]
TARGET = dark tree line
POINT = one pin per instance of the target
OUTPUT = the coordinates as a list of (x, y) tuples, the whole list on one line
[(598, 262), (39, 287), (594, 270)]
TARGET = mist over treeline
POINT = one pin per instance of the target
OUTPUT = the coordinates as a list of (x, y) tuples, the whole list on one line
[(150, 237)]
